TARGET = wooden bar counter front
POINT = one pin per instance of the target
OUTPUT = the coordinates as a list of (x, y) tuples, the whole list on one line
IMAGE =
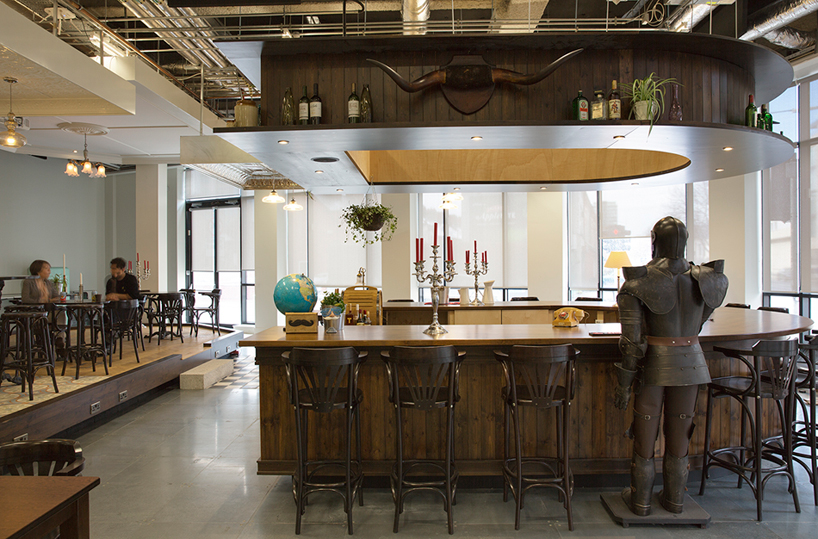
[(597, 446)]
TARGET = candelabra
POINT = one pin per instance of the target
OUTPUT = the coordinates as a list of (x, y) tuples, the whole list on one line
[(436, 280), (477, 271), (142, 273)]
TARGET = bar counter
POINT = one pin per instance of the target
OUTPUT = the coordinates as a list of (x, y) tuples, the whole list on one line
[(597, 445), (500, 312)]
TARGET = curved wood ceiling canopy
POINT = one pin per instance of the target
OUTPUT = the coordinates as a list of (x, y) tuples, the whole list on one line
[(523, 139)]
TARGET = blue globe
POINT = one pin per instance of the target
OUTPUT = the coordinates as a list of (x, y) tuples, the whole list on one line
[(295, 294)]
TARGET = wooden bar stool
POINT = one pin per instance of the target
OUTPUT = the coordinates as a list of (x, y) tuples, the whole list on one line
[(424, 378), (771, 367), (32, 350), (538, 377), (322, 380), (805, 429)]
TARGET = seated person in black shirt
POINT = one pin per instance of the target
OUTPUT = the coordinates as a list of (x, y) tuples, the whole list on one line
[(121, 285)]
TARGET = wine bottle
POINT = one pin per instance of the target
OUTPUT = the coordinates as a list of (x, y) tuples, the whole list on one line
[(315, 106), (353, 107), (614, 103), (766, 117), (366, 105), (599, 107), (580, 106), (751, 113), (304, 108), (288, 108)]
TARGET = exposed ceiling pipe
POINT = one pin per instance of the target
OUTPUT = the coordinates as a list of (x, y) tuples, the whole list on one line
[(779, 16), (790, 38), (686, 18), (415, 13)]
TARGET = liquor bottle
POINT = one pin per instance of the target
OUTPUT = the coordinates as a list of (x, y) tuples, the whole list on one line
[(304, 108), (348, 318), (315, 106), (599, 107), (64, 285), (751, 113), (288, 108), (367, 321), (614, 103), (354, 107), (580, 105), (359, 320), (366, 105), (766, 117)]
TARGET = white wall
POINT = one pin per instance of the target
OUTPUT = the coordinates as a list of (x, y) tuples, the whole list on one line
[(45, 214)]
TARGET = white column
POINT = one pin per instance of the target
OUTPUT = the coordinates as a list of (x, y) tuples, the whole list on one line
[(397, 254), (271, 259), (547, 246), (152, 223), (735, 235)]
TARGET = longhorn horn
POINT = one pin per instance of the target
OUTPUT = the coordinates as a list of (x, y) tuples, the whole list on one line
[(426, 81), (505, 75)]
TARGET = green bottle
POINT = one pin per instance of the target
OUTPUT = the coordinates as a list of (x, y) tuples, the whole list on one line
[(767, 118), (366, 105), (581, 107), (751, 114)]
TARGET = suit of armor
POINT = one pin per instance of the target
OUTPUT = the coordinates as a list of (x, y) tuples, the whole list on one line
[(662, 307)]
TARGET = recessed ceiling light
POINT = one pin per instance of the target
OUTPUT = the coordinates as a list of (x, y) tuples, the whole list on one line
[(339, 190), (618, 137), (282, 142), (75, 151), (728, 148), (477, 137), (319, 171), (456, 189), (635, 183), (543, 188), (719, 170)]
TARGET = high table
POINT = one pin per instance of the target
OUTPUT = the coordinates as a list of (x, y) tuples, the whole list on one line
[(35, 505), (83, 315), (597, 445)]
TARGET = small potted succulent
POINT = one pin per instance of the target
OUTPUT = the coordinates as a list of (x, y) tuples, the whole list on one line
[(369, 217), (647, 97)]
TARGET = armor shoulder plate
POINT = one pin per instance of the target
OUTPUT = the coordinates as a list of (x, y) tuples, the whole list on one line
[(651, 287), (712, 282)]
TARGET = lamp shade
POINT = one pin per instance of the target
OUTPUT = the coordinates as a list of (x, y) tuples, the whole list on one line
[(617, 259), (10, 138), (293, 206), (273, 198)]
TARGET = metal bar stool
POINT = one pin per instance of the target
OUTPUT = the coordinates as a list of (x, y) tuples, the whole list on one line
[(805, 429), (424, 378), (82, 316), (32, 350), (321, 380), (771, 368), (539, 377)]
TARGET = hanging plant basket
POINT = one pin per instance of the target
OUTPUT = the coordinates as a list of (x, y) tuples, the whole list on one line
[(368, 217)]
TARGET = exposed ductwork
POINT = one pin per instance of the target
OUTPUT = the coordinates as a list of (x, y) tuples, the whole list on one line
[(790, 38), (779, 16), (415, 14), (686, 18)]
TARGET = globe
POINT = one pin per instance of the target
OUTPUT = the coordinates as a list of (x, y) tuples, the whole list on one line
[(295, 293)]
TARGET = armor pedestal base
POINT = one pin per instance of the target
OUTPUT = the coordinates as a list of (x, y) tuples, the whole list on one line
[(693, 513)]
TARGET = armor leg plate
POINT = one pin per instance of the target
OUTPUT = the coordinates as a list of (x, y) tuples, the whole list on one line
[(674, 472), (637, 496)]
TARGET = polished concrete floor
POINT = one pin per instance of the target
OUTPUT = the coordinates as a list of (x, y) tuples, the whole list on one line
[(183, 466)]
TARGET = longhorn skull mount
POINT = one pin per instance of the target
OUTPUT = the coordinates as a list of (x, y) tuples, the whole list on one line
[(468, 81)]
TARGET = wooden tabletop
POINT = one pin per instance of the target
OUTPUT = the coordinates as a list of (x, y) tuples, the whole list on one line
[(726, 324), (504, 305), (29, 501)]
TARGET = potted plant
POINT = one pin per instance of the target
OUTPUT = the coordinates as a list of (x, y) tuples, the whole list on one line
[(647, 97), (332, 302), (369, 217)]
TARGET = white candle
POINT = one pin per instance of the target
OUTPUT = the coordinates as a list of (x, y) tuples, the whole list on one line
[(80, 278)]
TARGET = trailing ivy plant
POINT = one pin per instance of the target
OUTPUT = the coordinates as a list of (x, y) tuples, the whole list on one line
[(368, 217)]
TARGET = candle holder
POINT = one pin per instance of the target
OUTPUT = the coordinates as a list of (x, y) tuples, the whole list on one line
[(436, 280), (142, 273), (477, 271)]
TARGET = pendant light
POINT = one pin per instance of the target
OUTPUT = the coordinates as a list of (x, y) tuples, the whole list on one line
[(10, 138), (95, 170), (293, 206), (273, 197)]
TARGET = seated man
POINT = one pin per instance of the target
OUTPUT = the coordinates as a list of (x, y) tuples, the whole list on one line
[(121, 285)]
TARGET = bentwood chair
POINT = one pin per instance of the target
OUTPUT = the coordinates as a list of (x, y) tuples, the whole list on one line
[(770, 368), (538, 378), (123, 320), (42, 457), (804, 424), (211, 310), (424, 378), (320, 381), (31, 349)]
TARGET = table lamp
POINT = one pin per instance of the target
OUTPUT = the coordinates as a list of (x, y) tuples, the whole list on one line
[(618, 260)]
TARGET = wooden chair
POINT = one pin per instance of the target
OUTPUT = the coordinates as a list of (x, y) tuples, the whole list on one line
[(123, 321), (41, 457), (369, 299)]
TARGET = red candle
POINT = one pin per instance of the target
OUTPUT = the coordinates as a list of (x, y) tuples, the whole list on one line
[(435, 237), (421, 249), (467, 256), (129, 265), (448, 247), (137, 257), (417, 250), (475, 247)]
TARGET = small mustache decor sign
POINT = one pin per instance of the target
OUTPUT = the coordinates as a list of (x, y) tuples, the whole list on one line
[(301, 322)]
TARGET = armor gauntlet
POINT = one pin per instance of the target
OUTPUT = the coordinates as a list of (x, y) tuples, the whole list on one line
[(632, 345)]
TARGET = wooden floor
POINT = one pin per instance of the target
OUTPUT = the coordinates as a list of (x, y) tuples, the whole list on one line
[(95, 392)]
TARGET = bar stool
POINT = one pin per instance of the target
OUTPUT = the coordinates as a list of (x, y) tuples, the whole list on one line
[(82, 316), (321, 380), (805, 430), (424, 378), (771, 368), (540, 377), (32, 349)]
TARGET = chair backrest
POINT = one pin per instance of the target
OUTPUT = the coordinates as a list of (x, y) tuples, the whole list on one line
[(368, 298), (778, 360), (526, 298), (588, 298), (315, 376), (123, 312), (540, 371), (189, 295), (774, 309), (423, 377), (215, 296), (41, 457), (738, 305)]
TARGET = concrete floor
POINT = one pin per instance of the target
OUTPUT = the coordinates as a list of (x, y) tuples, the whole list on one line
[(183, 466)]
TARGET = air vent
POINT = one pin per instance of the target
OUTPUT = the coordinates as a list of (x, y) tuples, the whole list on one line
[(325, 159)]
